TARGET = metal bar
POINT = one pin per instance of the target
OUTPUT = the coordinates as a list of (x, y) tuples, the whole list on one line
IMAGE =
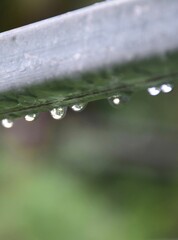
[(88, 54)]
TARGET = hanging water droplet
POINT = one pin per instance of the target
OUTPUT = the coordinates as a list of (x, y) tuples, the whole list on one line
[(30, 117), (59, 113), (166, 88), (7, 123), (115, 100), (78, 107), (154, 91)]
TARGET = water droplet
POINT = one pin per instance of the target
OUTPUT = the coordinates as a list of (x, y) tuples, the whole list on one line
[(115, 100), (59, 113), (154, 91), (30, 117), (166, 88), (78, 107), (7, 123)]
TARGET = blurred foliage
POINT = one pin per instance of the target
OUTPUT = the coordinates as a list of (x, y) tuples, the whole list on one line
[(101, 174)]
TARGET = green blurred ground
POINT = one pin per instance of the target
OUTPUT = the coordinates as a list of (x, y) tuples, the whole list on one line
[(102, 174)]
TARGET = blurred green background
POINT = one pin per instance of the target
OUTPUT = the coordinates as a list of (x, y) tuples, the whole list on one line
[(103, 174)]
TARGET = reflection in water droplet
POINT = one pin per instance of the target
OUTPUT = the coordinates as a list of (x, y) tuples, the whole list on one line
[(166, 88), (78, 107), (30, 117), (116, 101), (154, 91), (59, 113), (7, 123)]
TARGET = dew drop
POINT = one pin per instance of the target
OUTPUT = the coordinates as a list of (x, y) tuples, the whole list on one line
[(59, 113), (114, 100), (154, 91), (7, 123), (117, 100), (166, 88), (78, 107), (30, 117)]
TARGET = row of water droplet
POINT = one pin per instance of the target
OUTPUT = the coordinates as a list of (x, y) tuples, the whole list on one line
[(165, 88), (115, 100), (56, 113)]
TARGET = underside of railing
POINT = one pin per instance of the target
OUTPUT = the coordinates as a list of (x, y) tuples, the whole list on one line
[(113, 47)]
